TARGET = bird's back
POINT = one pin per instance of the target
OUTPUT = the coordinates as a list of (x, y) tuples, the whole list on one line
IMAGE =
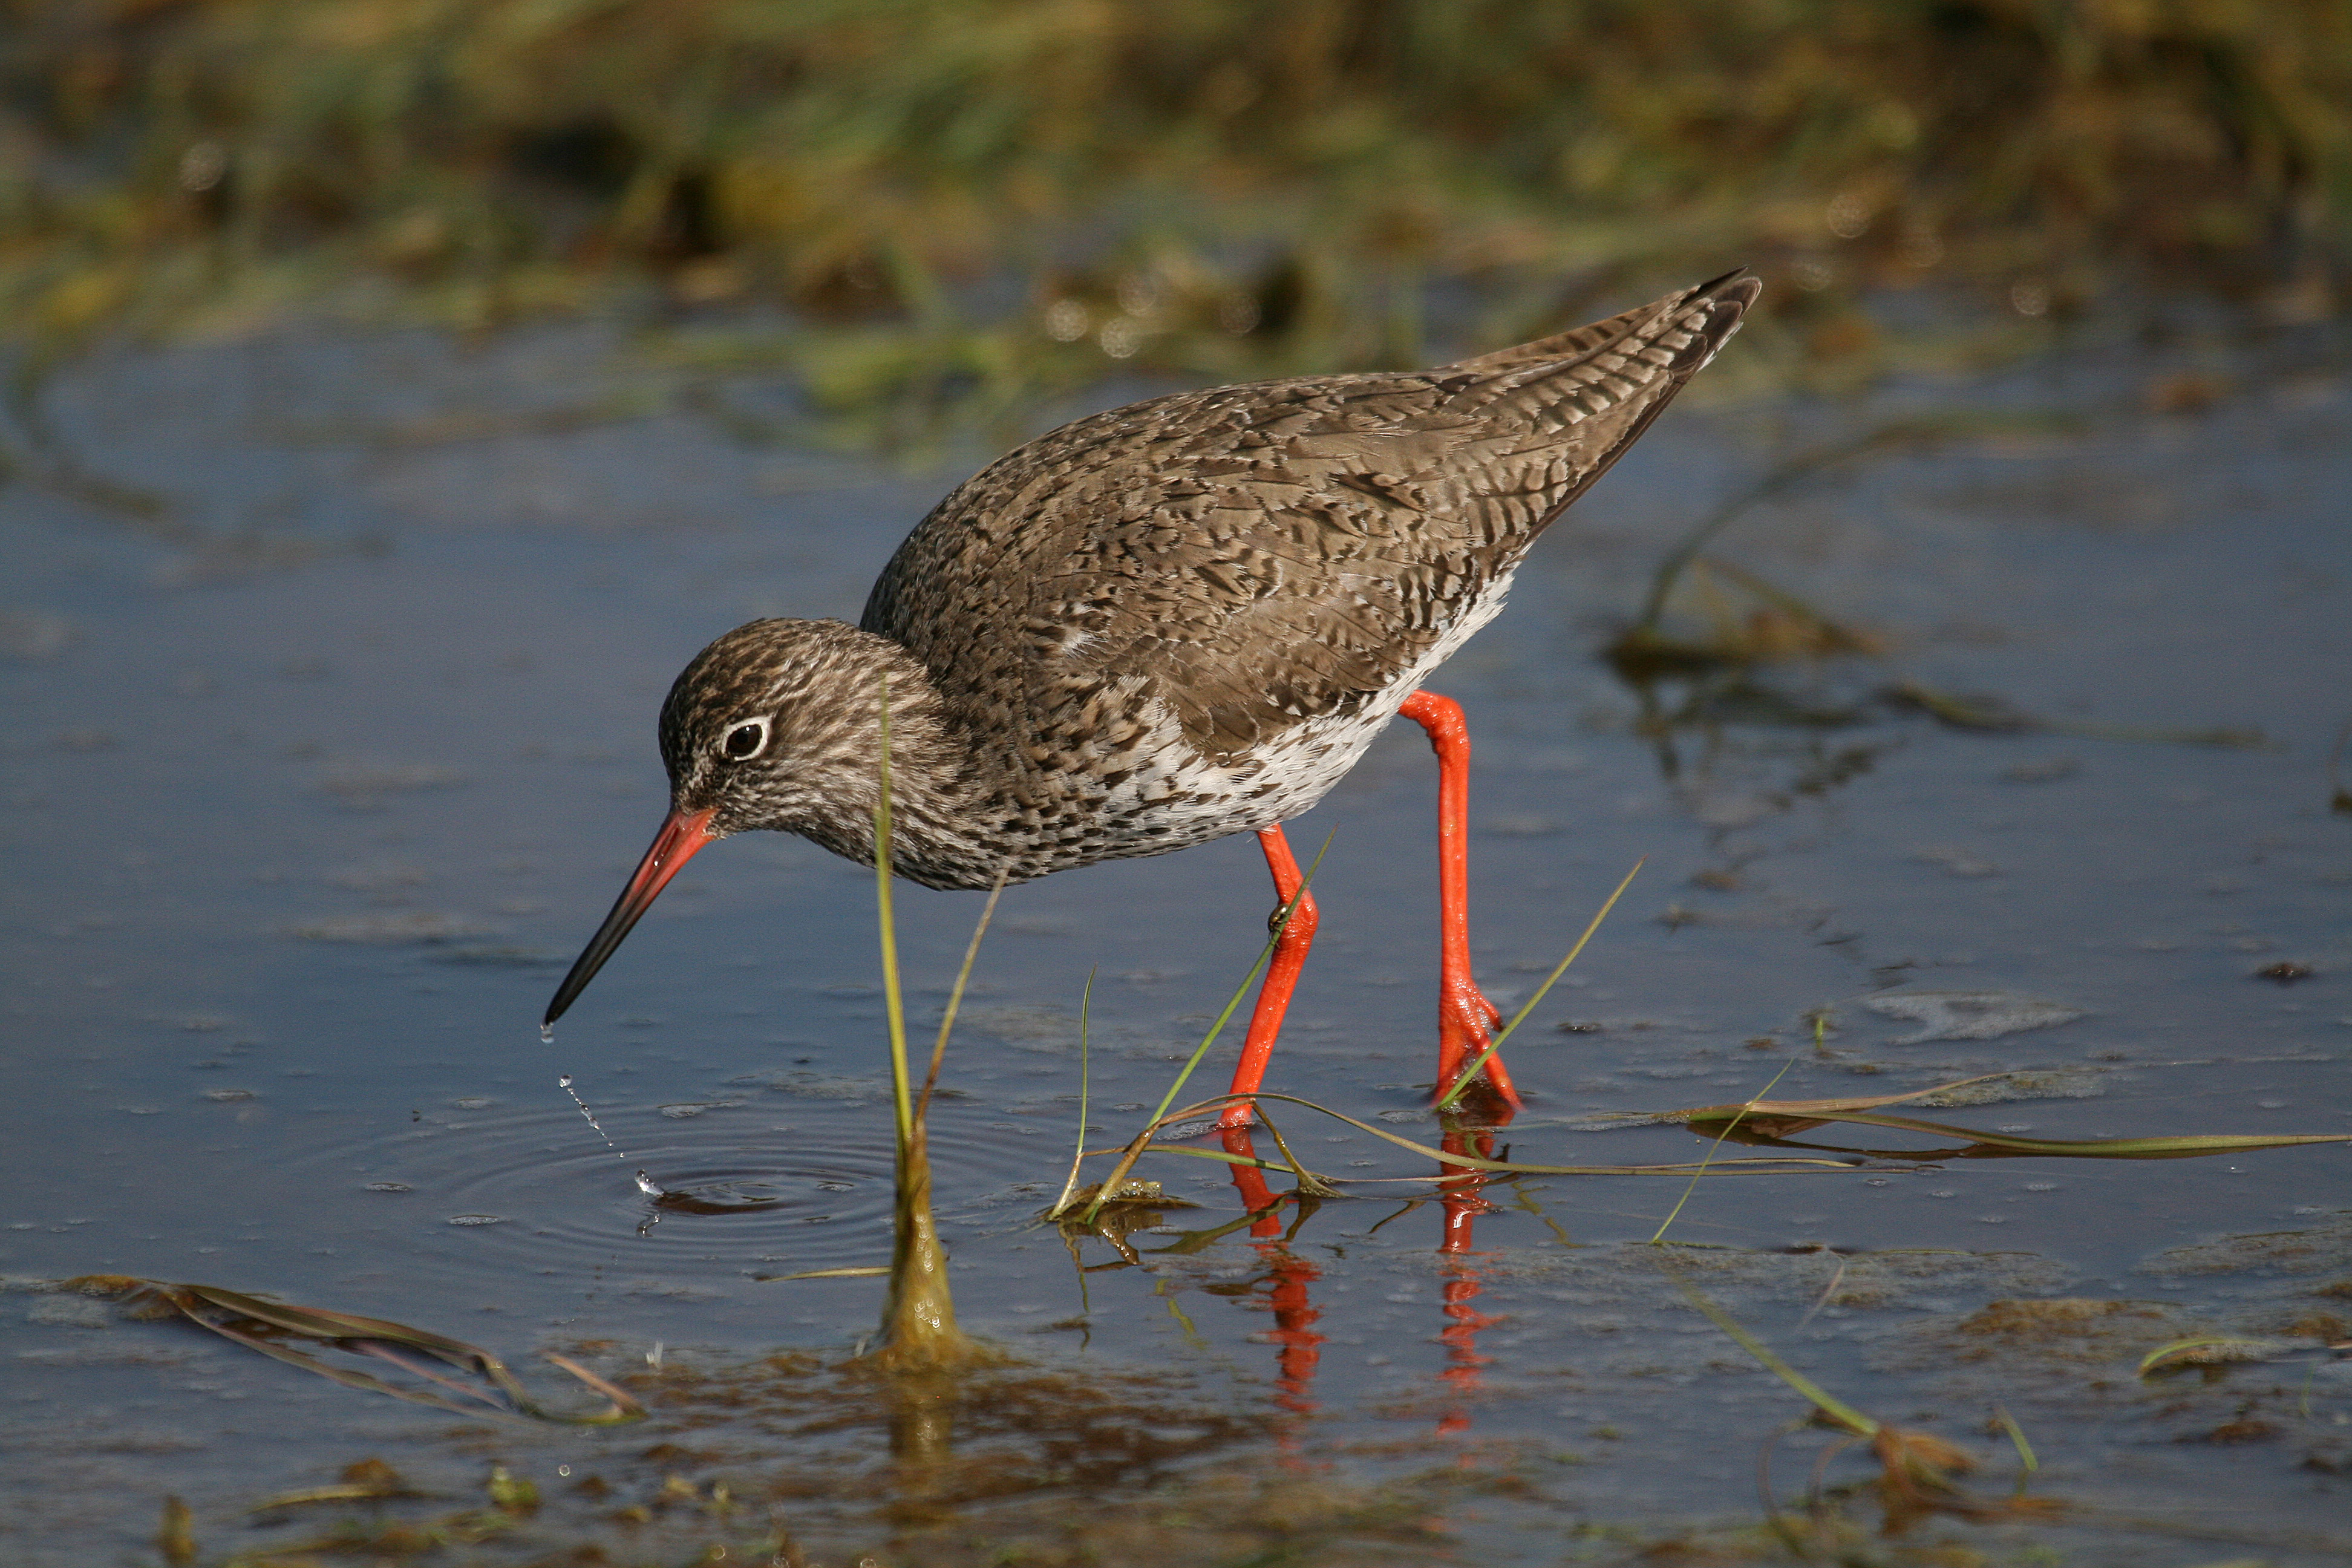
[(1249, 560)]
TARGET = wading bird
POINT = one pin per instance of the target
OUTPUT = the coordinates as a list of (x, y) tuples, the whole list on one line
[(1171, 622)]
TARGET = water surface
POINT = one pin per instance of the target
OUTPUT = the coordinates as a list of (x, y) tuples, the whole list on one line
[(321, 767)]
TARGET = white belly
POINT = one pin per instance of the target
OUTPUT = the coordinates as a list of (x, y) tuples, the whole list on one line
[(1191, 799)]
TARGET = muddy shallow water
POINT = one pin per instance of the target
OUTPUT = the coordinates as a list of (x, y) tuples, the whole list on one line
[(330, 668)]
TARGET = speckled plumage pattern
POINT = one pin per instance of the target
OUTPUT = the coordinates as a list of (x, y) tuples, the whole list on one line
[(1180, 619)]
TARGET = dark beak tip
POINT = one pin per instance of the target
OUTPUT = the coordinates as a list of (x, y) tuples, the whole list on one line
[(681, 836)]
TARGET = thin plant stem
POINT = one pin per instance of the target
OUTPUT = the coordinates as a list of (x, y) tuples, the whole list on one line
[(2027, 1461), (955, 995), (1141, 1144), (894, 1001), (1463, 1079), (1281, 924), (1309, 1184), (1780, 476), (1078, 1157), (918, 1326), (1829, 1405), (1711, 1150), (1837, 1277)]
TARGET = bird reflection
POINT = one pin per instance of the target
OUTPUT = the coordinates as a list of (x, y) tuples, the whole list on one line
[(1287, 1279), (1461, 1203)]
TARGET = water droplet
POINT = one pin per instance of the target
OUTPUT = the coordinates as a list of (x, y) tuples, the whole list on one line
[(645, 1182), (546, 1034)]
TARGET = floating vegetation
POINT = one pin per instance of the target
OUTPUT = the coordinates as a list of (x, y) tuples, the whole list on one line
[(1775, 1121), (2210, 1349), (1707, 628), (425, 1357), (1968, 1015), (1995, 716)]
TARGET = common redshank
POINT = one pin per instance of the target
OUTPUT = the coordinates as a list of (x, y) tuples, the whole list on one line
[(1171, 622)]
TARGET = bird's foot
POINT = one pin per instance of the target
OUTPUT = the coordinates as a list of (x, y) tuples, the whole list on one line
[(1249, 1181), (1466, 1025)]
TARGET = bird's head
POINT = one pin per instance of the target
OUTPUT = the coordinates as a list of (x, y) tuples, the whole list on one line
[(779, 724)]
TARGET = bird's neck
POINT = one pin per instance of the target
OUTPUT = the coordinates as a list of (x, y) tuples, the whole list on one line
[(935, 837)]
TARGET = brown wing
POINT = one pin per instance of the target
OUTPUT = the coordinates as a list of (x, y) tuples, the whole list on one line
[(1256, 555)]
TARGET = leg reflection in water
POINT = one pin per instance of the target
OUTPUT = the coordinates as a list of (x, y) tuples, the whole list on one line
[(1459, 1201), (1288, 1276)]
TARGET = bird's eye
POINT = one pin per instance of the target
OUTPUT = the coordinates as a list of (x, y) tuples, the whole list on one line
[(744, 741)]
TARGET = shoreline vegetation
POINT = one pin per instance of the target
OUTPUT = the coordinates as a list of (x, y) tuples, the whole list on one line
[(1024, 194)]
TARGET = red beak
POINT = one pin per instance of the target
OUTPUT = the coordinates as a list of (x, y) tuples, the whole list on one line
[(681, 836)]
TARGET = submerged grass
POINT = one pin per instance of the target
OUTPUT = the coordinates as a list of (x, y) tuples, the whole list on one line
[(1774, 1121), (1744, 623), (1916, 1470), (966, 202), (483, 1385)]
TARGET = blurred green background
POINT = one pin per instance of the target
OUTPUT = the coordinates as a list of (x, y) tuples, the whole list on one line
[(961, 201)]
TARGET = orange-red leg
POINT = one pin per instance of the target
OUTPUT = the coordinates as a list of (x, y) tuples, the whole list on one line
[(1256, 1197), (1465, 1019), (1281, 974)]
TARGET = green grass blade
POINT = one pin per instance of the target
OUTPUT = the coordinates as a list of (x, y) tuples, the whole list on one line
[(894, 1001), (955, 992), (2027, 1462), (866, 1271), (1223, 1156), (2206, 1349), (1711, 1150), (1828, 1403), (2187, 1146), (918, 1326), (1462, 1080), (1744, 1166), (1281, 924), (1085, 1056)]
